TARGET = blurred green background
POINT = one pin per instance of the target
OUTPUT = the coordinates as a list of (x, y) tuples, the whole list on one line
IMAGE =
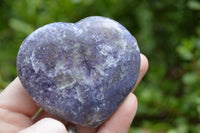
[(168, 33)]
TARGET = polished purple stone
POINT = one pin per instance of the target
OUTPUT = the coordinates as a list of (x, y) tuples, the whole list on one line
[(79, 72)]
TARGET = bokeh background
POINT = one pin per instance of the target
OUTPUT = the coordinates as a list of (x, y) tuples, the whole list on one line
[(167, 31)]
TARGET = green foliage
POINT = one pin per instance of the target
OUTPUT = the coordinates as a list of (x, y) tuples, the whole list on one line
[(168, 32)]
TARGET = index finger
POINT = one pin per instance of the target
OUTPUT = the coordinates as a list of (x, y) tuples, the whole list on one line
[(15, 98)]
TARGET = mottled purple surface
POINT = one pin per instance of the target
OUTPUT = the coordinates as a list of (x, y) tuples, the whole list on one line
[(79, 72)]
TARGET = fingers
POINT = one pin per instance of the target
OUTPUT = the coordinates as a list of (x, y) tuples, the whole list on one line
[(16, 99), (12, 122), (143, 69), (78, 128), (46, 125), (121, 120), (42, 114)]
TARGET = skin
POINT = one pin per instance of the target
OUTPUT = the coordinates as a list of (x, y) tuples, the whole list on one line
[(17, 108)]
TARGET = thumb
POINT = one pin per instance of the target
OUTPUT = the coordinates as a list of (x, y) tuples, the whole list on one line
[(46, 125)]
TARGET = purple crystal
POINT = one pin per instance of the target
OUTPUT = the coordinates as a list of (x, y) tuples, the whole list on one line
[(79, 72)]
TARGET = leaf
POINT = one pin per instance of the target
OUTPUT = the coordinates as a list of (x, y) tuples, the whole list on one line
[(186, 47), (21, 26), (190, 78), (184, 53), (194, 5)]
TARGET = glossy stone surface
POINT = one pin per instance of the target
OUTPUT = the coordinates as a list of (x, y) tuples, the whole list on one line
[(79, 72)]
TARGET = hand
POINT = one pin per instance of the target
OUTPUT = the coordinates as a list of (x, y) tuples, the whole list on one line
[(17, 108)]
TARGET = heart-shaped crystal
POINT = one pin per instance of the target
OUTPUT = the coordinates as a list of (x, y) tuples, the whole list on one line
[(79, 72)]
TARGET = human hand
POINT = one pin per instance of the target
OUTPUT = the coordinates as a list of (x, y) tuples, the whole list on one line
[(17, 109)]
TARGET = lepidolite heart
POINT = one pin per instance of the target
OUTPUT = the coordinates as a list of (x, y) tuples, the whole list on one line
[(79, 72)]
